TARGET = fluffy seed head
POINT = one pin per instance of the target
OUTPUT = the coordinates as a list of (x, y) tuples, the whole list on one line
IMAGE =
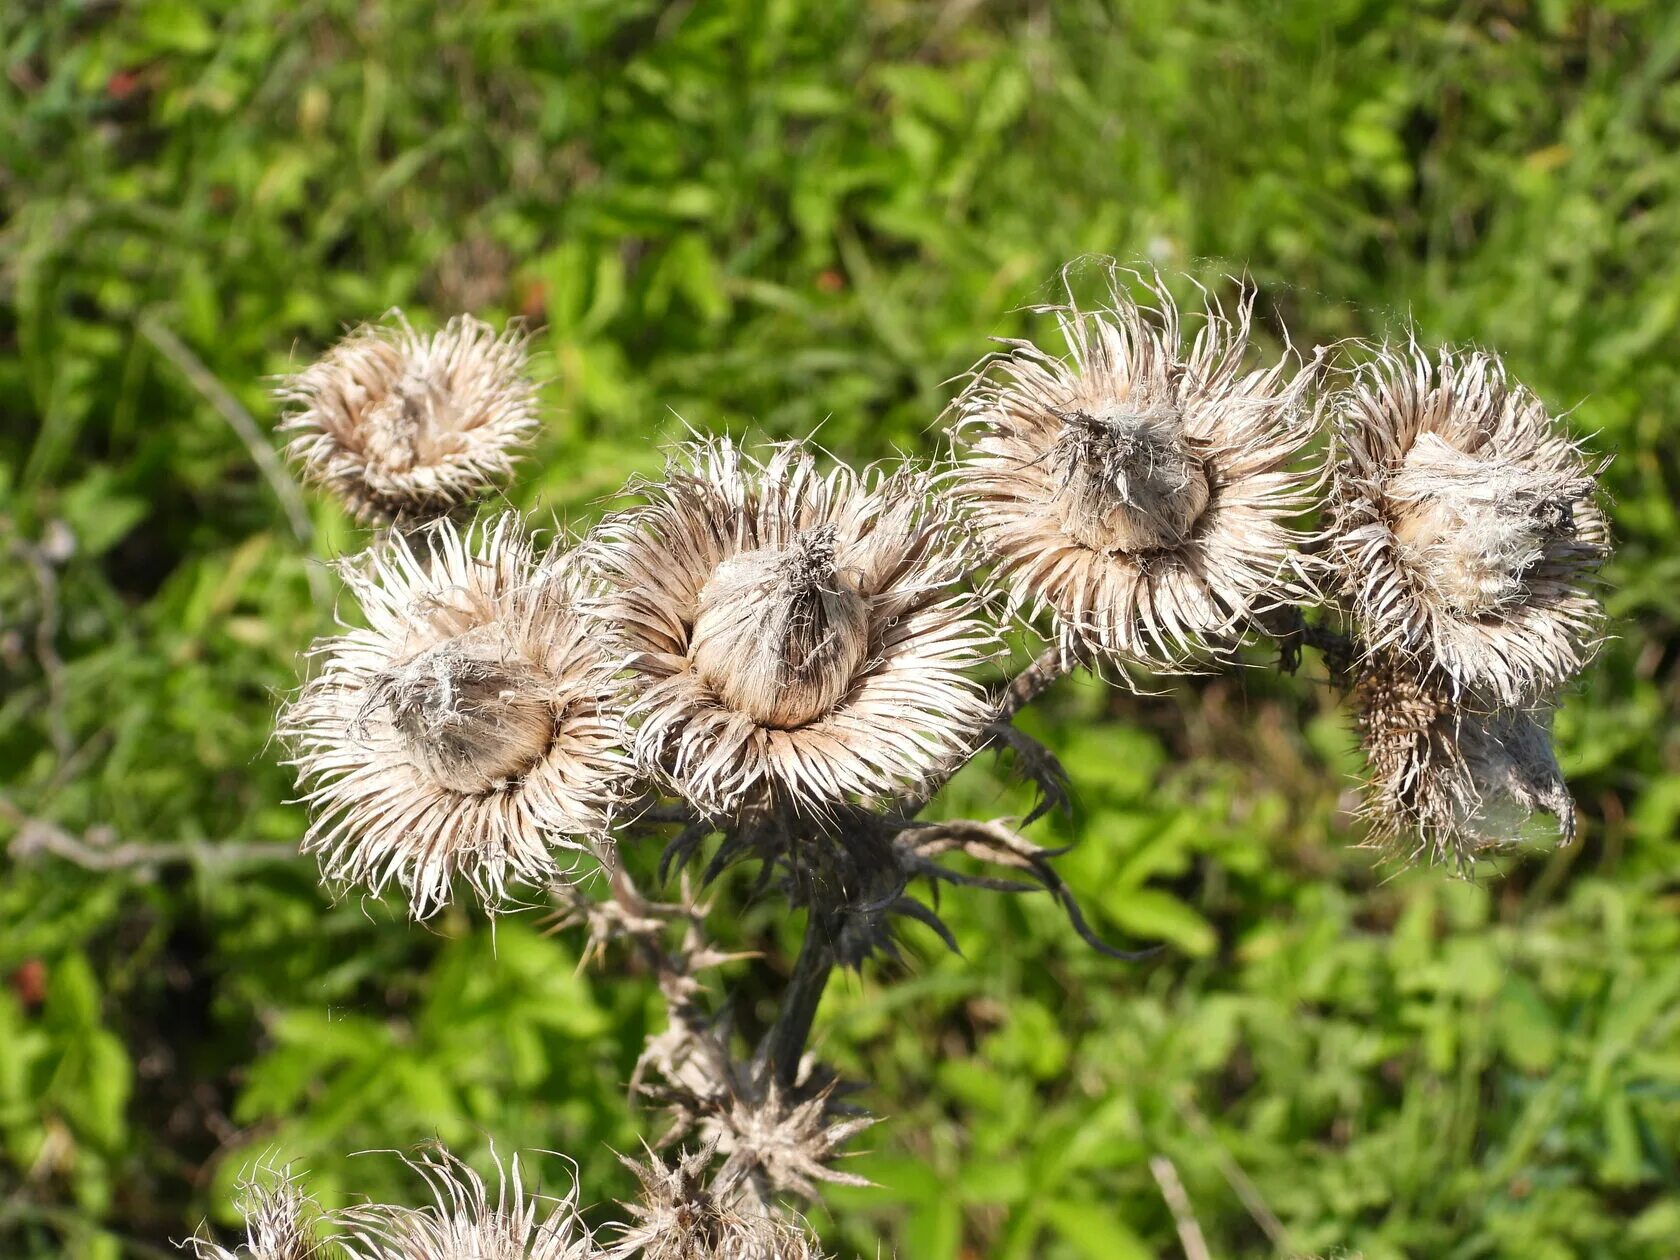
[(467, 729), (1463, 526), (463, 1223), (790, 638), (406, 426), (1138, 488), (1446, 783)]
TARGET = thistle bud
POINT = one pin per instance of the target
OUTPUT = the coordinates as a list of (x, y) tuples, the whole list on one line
[(468, 730), (779, 634), (1129, 483), (405, 426), (791, 639), (1138, 489), (1464, 527)]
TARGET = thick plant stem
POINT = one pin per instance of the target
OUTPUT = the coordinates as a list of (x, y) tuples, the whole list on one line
[(784, 1044)]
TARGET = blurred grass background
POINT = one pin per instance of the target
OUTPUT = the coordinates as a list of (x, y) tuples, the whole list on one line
[(770, 216)]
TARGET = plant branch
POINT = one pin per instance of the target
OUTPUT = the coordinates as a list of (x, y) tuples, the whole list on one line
[(1190, 1235), (1033, 681), (239, 420), (99, 850)]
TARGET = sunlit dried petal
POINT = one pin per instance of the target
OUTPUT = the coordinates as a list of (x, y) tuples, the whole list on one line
[(463, 1223), (279, 1224)]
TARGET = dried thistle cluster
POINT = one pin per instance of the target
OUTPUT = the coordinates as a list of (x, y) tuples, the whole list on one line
[(676, 1218), (783, 659)]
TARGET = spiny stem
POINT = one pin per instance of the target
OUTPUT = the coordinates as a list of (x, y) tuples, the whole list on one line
[(1049, 665), (1035, 679)]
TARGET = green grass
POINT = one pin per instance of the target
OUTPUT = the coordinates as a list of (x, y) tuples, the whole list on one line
[(775, 218)]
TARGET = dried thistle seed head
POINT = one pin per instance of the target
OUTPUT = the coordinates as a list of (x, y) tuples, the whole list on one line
[(1139, 489), (473, 719), (679, 1218), (1446, 783), (1129, 482), (1464, 526), (468, 729), (778, 633), (794, 640), (406, 426), (774, 1141), (278, 1224), (463, 1223)]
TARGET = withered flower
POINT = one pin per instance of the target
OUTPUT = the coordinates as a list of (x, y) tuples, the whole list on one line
[(278, 1224), (1446, 783), (1139, 488), (462, 1223), (406, 426), (1464, 527), (467, 730), (790, 638), (774, 1140), (680, 1218)]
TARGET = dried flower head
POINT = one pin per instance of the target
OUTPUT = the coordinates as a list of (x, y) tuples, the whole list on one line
[(1139, 489), (467, 729), (278, 1223), (775, 1141), (462, 1223), (407, 426), (792, 638), (1448, 784), (679, 1218), (1464, 527)]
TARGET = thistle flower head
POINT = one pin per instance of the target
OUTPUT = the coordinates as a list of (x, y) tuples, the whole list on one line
[(1138, 488), (680, 1218), (463, 1223), (790, 638), (406, 426), (1464, 526), (773, 1141), (467, 729), (278, 1226), (1446, 783)]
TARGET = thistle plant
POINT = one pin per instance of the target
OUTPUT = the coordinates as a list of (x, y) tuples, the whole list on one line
[(775, 659)]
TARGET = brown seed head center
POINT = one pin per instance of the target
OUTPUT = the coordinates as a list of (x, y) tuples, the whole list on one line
[(779, 634), (473, 720), (1471, 528), (408, 427), (1128, 480)]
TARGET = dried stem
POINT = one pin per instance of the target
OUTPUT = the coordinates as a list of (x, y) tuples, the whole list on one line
[(784, 1044), (1190, 1235), (239, 420), (1023, 689), (1035, 680)]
